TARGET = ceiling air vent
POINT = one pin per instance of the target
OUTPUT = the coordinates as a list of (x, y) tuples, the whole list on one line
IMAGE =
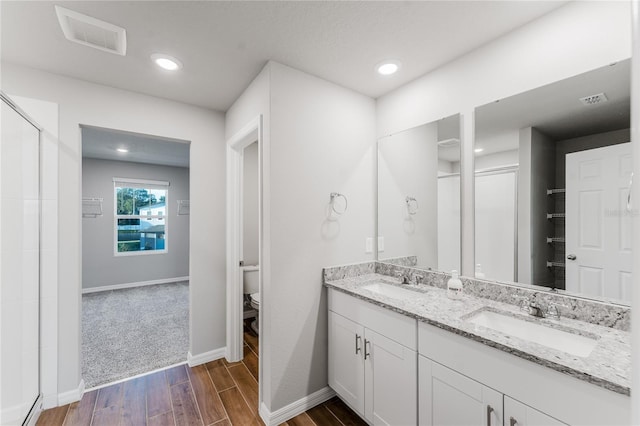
[(446, 143), (92, 32), (594, 99)]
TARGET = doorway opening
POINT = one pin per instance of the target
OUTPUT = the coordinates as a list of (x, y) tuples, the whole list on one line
[(245, 269), (135, 254)]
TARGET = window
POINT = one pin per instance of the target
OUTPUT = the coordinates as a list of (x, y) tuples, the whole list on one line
[(140, 217)]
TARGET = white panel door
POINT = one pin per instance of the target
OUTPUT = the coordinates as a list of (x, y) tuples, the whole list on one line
[(346, 360), (457, 400), (519, 414), (598, 227), (391, 377)]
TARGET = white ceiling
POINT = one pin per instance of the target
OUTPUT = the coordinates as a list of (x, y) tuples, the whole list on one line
[(103, 144), (224, 44), (556, 111)]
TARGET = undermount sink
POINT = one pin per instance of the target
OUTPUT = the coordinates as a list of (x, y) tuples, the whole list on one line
[(566, 341), (389, 290)]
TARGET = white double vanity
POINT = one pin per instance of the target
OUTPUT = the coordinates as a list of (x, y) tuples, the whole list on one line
[(405, 354), (540, 335)]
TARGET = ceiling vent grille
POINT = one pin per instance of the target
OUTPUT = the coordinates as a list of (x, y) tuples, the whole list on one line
[(446, 143), (594, 99), (92, 32)]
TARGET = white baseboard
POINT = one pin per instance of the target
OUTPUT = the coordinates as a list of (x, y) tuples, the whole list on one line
[(73, 395), (297, 407), (49, 401), (132, 285), (194, 360)]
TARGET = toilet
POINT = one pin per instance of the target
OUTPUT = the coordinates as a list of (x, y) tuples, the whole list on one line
[(251, 290)]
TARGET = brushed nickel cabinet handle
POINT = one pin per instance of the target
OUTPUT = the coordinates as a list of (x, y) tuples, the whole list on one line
[(358, 348), (366, 345), (489, 411), (512, 421)]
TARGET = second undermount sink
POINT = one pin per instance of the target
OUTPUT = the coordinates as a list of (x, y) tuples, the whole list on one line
[(390, 290), (532, 331)]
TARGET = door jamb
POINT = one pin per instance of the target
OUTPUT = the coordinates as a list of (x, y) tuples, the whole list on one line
[(251, 132)]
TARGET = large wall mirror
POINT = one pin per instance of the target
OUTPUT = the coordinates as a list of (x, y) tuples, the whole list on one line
[(419, 196), (552, 176)]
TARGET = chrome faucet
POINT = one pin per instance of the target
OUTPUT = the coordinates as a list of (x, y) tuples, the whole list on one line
[(534, 308), (404, 278), (531, 305)]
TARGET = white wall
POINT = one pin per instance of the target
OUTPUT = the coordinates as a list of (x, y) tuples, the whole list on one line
[(256, 101), (635, 139), (322, 141), (250, 205), (100, 267), (91, 104), (408, 166), (575, 38)]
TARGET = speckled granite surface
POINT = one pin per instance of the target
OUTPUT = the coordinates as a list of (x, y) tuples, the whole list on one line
[(608, 365), (591, 311)]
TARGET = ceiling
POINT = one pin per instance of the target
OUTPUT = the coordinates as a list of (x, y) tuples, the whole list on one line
[(556, 111), (224, 44), (103, 144)]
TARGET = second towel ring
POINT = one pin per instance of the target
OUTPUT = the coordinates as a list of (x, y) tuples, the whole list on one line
[(335, 196), (412, 205)]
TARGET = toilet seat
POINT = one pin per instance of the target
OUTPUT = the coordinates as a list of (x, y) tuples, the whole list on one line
[(255, 300)]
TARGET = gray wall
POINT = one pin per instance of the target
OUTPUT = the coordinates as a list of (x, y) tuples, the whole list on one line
[(100, 267), (542, 178)]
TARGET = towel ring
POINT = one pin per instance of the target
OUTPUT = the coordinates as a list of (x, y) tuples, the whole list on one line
[(412, 205), (334, 197)]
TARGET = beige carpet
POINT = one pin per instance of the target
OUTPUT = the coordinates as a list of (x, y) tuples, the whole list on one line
[(133, 331)]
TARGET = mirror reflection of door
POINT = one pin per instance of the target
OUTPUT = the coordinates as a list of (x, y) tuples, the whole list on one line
[(568, 142), (598, 226)]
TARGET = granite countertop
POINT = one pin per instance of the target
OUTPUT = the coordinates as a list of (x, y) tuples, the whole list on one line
[(608, 365)]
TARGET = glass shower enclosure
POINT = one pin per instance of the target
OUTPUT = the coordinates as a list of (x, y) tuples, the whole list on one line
[(19, 265)]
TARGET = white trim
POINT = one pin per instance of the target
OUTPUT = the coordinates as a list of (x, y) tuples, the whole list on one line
[(235, 146), (295, 408), (132, 285), (135, 377), (145, 182), (73, 395), (34, 415), (205, 357)]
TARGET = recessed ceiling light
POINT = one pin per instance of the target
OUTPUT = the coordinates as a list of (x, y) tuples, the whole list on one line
[(478, 150), (166, 62), (388, 67), (123, 150)]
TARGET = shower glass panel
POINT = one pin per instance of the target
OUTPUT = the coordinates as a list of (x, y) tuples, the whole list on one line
[(19, 267)]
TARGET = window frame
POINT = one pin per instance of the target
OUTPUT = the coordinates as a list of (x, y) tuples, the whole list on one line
[(139, 184)]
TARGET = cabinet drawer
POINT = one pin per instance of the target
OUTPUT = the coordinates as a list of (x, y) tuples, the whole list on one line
[(395, 326)]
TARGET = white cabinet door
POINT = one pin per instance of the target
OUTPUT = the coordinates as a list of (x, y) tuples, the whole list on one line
[(391, 381), (519, 414), (448, 398), (346, 361)]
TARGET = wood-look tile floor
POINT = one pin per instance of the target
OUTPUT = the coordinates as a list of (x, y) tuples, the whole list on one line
[(217, 393)]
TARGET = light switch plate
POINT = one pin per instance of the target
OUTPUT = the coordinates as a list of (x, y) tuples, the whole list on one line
[(369, 246), (380, 244)]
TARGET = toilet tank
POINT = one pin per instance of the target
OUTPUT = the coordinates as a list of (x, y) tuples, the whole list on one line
[(250, 280)]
